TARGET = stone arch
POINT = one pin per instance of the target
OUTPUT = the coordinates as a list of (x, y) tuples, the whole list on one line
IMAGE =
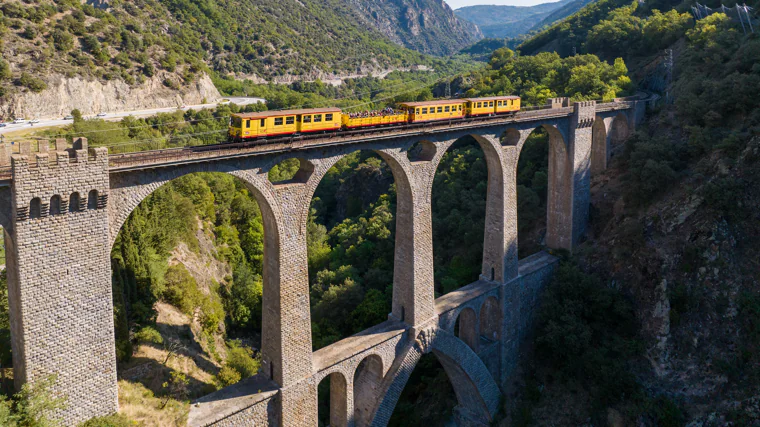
[(476, 391), (492, 263), (510, 138), (600, 146), (302, 175), (490, 320), (466, 328), (422, 151), (559, 209), (368, 379), (338, 407), (403, 303), (619, 129)]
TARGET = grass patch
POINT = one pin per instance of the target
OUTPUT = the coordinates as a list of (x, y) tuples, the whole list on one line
[(140, 404)]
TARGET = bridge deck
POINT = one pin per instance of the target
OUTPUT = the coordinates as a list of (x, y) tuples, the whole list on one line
[(173, 156)]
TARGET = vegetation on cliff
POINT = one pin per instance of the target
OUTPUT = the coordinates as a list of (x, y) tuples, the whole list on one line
[(176, 40)]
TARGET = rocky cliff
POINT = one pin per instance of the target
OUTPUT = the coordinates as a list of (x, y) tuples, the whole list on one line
[(429, 26), (92, 96)]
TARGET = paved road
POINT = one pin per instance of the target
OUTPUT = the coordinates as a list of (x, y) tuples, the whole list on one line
[(119, 115)]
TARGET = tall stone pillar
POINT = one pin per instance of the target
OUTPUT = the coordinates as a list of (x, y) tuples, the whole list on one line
[(413, 277), (500, 234), (569, 179), (581, 137), (286, 344), (59, 279)]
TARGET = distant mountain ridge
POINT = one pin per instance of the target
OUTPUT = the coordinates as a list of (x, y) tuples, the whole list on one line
[(561, 13), (498, 21), (428, 26)]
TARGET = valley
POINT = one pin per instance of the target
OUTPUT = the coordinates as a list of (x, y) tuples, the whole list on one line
[(648, 316)]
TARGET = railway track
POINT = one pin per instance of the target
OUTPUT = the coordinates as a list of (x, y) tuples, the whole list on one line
[(120, 162)]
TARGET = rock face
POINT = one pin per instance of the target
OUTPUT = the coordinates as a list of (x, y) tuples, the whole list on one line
[(428, 26), (93, 96)]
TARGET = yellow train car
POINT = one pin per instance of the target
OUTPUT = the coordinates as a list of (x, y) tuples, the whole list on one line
[(492, 105), (318, 119), (286, 122), (353, 122), (441, 109)]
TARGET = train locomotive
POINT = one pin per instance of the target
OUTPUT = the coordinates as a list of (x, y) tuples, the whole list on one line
[(260, 125)]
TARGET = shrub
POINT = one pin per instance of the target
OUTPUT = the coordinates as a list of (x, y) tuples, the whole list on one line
[(62, 40), (241, 359), (149, 334), (32, 83), (181, 289), (115, 420)]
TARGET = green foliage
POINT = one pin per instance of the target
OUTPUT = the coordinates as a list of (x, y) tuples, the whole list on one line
[(240, 364), (587, 332), (115, 420), (653, 166), (149, 334), (32, 406), (546, 75), (181, 290), (5, 324), (458, 205), (32, 83)]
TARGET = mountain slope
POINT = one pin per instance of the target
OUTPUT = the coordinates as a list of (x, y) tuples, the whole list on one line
[(162, 46), (508, 21), (427, 26), (560, 13)]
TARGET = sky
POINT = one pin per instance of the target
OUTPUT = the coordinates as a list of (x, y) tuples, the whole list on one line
[(456, 4)]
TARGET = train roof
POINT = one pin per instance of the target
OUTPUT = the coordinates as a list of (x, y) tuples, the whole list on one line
[(278, 113), (492, 98), (435, 102)]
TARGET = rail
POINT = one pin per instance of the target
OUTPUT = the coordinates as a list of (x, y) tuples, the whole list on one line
[(166, 157), (122, 161)]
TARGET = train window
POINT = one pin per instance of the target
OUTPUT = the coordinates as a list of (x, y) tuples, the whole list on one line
[(424, 111), (247, 123), (328, 117), (236, 122), (290, 120), (307, 119), (480, 104), (490, 104), (317, 118), (298, 119), (440, 109), (418, 111), (278, 121), (263, 122), (446, 109)]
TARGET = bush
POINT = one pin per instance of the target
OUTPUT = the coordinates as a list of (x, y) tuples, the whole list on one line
[(241, 359), (31, 406), (32, 83), (115, 420), (181, 289), (149, 335)]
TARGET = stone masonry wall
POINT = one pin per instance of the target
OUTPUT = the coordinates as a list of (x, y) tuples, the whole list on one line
[(60, 281)]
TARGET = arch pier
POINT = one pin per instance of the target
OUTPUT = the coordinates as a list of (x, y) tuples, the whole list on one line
[(62, 211)]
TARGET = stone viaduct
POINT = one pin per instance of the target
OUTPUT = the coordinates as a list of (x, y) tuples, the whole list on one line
[(62, 209)]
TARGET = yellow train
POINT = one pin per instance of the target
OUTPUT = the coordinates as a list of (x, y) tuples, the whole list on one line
[(251, 126)]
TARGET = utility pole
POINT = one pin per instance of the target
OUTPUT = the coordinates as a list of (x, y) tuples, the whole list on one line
[(448, 90)]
